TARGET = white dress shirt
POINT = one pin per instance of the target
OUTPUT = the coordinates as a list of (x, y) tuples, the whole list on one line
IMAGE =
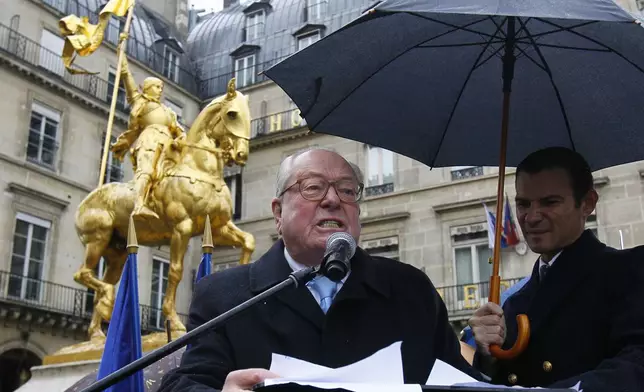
[(295, 266)]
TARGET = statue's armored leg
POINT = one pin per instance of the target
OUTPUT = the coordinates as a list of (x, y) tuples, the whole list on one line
[(178, 246), (144, 178), (231, 235)]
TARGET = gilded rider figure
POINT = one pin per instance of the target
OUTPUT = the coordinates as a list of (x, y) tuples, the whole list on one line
[(151, 126)]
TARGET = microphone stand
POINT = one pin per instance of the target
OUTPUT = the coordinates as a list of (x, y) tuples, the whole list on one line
[(296, 278)]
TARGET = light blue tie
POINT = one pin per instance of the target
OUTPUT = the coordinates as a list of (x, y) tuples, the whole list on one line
[(326, 289)]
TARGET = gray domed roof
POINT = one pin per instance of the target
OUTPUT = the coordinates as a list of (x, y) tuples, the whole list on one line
[(220, 37)]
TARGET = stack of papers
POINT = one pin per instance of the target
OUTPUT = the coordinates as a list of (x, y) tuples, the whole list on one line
[(381, 372)]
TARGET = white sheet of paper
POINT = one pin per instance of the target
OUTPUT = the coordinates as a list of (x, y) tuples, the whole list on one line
[(383, 367), (355, 387), (443, 374)]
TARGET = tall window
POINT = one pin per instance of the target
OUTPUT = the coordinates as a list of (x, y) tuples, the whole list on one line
[(245, 70), (176, 108), (307, 40), (157, 291), (121, 99), (234, 183), (380, 171), (113, 30), (51, 46), (255, 24), (471, 262), (114, 168), (171, 65), (316, 9), (28, 257), (43, 135), (60, 5)]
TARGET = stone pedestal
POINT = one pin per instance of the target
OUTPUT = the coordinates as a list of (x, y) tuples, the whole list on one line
[(76, 376), (58, 377)]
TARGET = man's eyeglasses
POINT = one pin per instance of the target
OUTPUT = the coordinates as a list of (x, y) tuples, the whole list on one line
[(315, 189)]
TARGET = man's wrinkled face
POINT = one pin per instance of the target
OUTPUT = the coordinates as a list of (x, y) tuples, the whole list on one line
[(306, 224), (547, 212)]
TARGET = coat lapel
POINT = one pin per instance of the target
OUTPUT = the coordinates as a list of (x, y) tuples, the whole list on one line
[(363, 279), (568, 271), (271, 269)]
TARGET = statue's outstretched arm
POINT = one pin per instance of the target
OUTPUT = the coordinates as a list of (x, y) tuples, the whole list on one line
[(131, 90)]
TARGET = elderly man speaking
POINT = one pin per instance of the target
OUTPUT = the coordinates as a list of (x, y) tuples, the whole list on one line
[(381, 301)]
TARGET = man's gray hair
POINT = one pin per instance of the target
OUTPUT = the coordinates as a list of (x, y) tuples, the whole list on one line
[(285, 170)]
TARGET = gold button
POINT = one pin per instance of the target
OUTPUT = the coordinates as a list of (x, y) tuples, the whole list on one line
[(547, 366), (512, 378)]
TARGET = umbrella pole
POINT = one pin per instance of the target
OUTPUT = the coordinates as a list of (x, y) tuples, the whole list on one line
[(523, 323)]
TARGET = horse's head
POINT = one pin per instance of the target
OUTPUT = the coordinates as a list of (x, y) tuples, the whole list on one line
[(231, 126)]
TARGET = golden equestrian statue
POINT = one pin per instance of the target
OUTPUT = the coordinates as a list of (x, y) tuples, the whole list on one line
[(178, 182)]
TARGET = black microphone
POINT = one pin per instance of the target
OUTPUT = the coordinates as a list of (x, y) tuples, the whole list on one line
[(340, 248)]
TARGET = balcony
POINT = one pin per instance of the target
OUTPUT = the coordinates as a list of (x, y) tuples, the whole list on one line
[(276, 122), (27, 51), (466, 172), (378, 190), (462, 300), (46, 306)]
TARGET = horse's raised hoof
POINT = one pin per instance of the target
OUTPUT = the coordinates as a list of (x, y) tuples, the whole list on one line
[(177, 326)]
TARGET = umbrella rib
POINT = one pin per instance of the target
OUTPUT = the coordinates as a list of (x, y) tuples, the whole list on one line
[(561, 28), (547, 69), (526, 55), (318, 86), (565, 47), (456, 27), (488, 57), (460, 94), (595, 42), (459, 45)]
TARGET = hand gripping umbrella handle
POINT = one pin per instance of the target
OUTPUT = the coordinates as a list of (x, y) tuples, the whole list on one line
[(523, 324), (523, 337)]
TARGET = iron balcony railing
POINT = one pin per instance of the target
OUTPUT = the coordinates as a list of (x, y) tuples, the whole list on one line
[(464, 299), (70, 301), (26, 50), (135, 48), (276, 122)]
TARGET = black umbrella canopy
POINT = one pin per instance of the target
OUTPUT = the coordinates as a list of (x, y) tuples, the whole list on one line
[(425, 79)]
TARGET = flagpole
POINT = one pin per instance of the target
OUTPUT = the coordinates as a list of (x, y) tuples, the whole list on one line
[(115, 92)]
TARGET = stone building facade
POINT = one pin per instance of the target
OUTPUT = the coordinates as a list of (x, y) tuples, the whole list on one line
[(51, 147)]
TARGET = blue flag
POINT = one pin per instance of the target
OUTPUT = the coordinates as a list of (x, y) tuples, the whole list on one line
[(205, 266), (123, 343)]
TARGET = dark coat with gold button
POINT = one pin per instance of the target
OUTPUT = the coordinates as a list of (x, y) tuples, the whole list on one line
[(586, 319)]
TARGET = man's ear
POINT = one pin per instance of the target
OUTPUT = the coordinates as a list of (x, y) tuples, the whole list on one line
[(276, 207), (590, 202)]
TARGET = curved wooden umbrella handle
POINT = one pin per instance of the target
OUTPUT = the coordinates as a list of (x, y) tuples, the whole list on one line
[(523, 337)]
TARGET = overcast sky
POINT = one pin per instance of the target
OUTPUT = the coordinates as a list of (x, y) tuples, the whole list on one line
[(208, 5)]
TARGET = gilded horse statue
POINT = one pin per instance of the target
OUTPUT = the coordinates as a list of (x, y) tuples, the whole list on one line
[(188, 187)]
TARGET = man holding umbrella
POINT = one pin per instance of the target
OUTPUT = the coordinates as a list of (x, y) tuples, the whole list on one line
[(583, 298)]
